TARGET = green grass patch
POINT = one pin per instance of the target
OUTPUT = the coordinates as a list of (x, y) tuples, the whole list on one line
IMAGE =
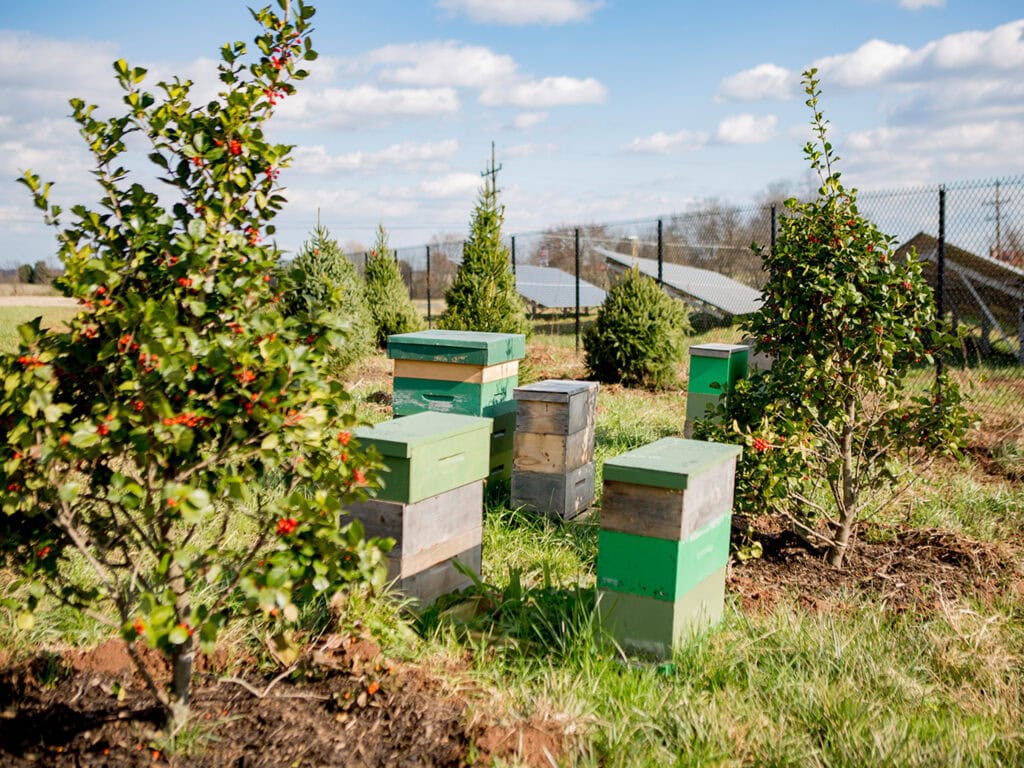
[(12, 317)]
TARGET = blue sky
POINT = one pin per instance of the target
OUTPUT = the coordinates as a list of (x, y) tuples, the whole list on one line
[(602, 110)]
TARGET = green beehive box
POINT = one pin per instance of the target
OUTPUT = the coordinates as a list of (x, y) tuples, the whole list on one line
[(661, 568), (428, 453), (491, 399), (648, 625), (668, 463), (715, 368), (465, 347)]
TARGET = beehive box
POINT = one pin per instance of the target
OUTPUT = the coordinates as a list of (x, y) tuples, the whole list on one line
[(429, 534), (556, 407), (428, 453), (714, 371), (457, 347), (561, 495), (665, 525)]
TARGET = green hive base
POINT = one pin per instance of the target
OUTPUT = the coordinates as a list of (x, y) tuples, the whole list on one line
[(647, 625), (491, 399)]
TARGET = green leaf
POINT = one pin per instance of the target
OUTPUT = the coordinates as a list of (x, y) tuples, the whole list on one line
[(178, 635), (26, 620)]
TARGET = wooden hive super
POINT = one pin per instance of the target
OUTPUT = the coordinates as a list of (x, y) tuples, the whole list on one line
[(432, 499), (463, 372), (553, 469), (663, 546)]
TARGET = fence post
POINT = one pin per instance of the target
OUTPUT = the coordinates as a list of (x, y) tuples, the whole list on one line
[(429, 318), (661, 253), (577, 249), (940, 268), (773, 225), (513, 255)]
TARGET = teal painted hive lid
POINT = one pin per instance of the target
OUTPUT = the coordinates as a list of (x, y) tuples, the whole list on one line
[(668, 462), (399, 438), (468, 347)]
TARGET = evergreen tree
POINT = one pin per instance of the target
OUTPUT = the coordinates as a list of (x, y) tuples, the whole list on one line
[(483, 295), (388, 298), (325, 282)]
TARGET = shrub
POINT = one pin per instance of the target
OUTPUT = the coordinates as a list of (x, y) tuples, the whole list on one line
[(325, 282), (639, 335), (845, 324), (392, 309), (483, 296), (136, 440)]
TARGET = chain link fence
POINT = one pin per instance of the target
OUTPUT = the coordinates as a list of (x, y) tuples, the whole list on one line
[(970, 236)]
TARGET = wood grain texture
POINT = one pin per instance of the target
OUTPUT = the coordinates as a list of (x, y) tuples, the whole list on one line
[(556, 417), (409, 565), (424, 524), (667, 513), (555, 454), (442, 578), (467, 374), (561, 496)]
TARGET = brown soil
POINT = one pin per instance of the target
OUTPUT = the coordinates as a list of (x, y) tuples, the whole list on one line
[(352, 708), (902, 567)]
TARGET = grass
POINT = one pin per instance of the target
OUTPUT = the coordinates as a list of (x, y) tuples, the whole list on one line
[(12, 317), (853, 683)]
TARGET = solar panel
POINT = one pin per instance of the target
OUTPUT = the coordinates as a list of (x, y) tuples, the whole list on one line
[(704, 285), (554, 289)]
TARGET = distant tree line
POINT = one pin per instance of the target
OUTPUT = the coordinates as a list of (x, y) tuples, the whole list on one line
[(39, 273)]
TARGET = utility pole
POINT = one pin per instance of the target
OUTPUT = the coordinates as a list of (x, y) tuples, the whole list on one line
[(999, 219), (492, 171)]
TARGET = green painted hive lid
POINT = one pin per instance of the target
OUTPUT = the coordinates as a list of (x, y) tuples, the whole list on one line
[(554, 390), (668, 463), (468, 347), (399, 438), (715, 349)]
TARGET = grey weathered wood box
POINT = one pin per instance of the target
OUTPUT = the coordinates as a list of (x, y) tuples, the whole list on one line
[(428, 535), (553, 468)]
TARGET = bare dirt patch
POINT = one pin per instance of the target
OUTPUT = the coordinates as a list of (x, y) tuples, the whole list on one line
[(904, 568), (352, 707)]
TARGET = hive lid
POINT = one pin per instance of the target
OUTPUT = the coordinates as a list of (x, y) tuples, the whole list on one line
[(469, 347), (401, 437), (715, 349), (553, 390), (668, 463)]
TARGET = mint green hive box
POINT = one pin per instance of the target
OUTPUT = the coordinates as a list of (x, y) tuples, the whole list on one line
[(714, 371), (664, 542), (464, 372), (429, 453)]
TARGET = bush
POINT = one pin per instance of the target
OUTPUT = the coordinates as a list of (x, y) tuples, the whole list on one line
[(136, 442), (325, 283), (834, 432), (483, 295), (388, 298), (639, 335)]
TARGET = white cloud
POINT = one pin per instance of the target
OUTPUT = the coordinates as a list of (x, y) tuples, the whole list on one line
[(407, 157), (746, 129), (870, 64), (915, 5), (530, 150), (544, 93), (765, 81), (442, 63), (662, 143), (526, 120), (348, 106), (451, 185), (521, 12)]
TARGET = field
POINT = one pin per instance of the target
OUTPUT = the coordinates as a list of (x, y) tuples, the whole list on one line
[(912, 654)]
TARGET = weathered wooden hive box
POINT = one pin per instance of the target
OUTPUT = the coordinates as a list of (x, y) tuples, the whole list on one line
[(432, 500), (714, 371), (663, 546), (463, 372), (553, 469)]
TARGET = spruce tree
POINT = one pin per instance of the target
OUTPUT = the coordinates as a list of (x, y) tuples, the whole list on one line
[(483, 295), (388, 298), (325, 282)]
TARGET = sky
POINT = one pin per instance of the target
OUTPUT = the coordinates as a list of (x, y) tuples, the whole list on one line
[(600, 110)]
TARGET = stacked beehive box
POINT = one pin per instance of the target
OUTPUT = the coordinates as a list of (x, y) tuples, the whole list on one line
[(462, 372), (432, 500), (714, 370), (553, 468), (664, 541)]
